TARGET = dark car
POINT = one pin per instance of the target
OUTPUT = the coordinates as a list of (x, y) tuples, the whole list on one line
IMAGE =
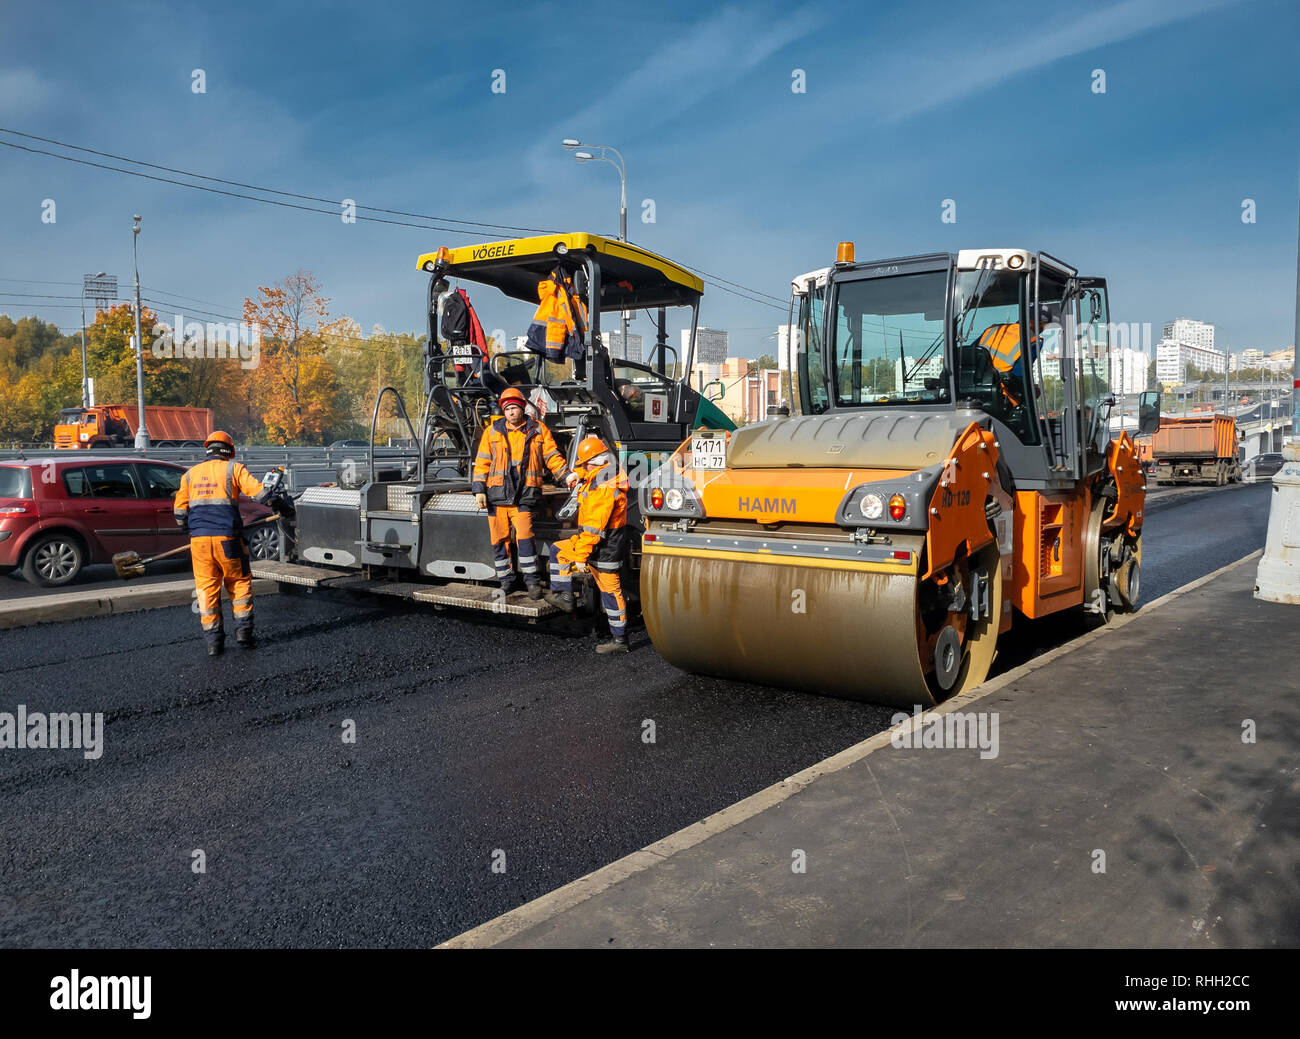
[(58, 515), (1262, 467)]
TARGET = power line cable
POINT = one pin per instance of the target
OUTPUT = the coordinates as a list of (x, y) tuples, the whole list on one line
[(267, 191), (232, 194), (718, 282)]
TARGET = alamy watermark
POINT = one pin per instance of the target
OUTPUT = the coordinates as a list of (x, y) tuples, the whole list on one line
[(228, 341), (957, 730), (36, 730)]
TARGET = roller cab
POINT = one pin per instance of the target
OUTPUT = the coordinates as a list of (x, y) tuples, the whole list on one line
[(949, 470)]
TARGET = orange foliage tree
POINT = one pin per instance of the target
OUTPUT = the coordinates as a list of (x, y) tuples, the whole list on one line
[(295, 385)]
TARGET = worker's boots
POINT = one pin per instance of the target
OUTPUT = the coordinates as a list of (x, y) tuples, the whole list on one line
[(616, 644), (216, 648), (534, 589), (244, 636), (564, 600)]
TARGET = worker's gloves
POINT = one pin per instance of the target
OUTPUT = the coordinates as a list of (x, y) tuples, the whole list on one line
[(481, 499), (183, 522), (571, 480)]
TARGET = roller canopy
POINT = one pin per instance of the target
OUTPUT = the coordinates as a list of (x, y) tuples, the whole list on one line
[(631, 277)]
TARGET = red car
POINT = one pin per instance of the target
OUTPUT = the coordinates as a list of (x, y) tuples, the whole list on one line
[(58, 515)]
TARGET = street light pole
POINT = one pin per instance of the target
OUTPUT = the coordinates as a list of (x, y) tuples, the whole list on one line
[(85, 382), (570, 143), (142, 431)]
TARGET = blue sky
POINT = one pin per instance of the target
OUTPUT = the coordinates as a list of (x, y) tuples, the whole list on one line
[(907, 104)]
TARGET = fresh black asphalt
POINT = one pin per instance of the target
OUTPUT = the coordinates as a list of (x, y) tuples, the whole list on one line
[(490, 765)]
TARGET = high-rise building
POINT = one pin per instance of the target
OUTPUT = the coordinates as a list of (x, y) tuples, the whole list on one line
[(1128, 370), (632, 352), (711, 345), (1189, 331), (1173, 359), (916, 371)]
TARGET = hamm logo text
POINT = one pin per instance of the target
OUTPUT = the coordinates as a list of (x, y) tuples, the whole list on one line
[(784, 506)]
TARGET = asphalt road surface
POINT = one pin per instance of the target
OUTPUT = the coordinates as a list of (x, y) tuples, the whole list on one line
[(476, 746)]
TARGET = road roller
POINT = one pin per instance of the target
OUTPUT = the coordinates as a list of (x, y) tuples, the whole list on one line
[(947, 471)]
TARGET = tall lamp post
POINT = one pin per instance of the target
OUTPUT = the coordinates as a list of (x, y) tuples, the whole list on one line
[(85, 383), (142, 431), (570, 144)]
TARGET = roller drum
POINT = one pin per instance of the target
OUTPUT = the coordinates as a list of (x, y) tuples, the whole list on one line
[(838, 632)]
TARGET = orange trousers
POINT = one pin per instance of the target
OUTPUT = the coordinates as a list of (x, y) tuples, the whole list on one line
[(222, 562), (500, 519)]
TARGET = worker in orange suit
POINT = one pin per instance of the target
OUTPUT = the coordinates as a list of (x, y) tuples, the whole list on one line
[(207, 505), (508, 483), (601, 541)]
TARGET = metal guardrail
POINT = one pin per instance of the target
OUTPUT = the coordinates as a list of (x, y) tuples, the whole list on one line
[(305, 466)]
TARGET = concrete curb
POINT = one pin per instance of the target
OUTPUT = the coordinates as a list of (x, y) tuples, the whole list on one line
[(538, 911), (79, 605)]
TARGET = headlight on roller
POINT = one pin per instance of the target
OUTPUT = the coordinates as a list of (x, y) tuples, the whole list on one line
[(873, 506), (673, 499)]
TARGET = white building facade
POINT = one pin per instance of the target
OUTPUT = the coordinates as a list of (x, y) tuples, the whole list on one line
[(1190, 331), (1173, 359), (1128, 370)]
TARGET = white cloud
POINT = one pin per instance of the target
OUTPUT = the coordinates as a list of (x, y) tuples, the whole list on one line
[(978, 64), (23, 92), (683, 73)]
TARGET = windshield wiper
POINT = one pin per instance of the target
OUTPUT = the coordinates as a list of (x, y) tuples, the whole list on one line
[(929, 350), (982, 286)]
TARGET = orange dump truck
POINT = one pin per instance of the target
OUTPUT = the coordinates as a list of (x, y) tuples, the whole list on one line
[(1197, 449), (114, 425)]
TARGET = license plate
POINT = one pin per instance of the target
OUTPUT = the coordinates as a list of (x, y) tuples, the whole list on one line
[(708, 452)]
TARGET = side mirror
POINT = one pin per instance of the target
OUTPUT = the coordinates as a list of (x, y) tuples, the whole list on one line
[(1148, 413)]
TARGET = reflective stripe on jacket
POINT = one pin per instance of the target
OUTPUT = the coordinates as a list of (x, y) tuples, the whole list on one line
[(528, 448), (208, 499), (560, 324), (602, 519)]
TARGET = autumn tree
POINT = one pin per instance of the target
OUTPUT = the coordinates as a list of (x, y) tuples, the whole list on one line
[(366, 365), (40, 373), (295, 385)]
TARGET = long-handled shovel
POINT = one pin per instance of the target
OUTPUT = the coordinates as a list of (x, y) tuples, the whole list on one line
[(129, 564)]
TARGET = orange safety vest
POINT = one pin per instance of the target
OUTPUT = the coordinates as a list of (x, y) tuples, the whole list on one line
[(1003, 344), (602, 519), (526, 449), (208, 498)]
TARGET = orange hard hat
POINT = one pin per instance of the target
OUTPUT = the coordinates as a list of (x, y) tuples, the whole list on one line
[(219, 437), (512, 396), (589, 448)]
